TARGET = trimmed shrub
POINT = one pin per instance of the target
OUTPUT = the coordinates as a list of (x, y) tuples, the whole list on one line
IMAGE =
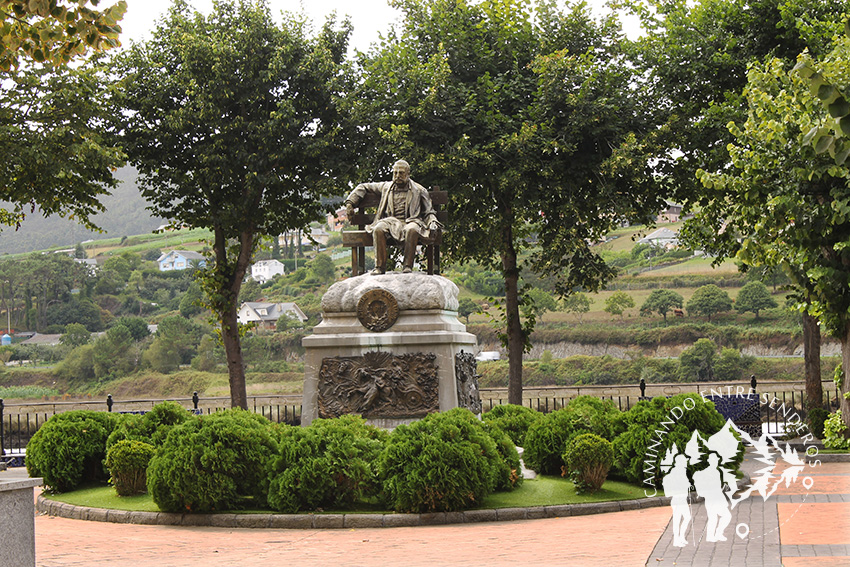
[(127, 462), (215, 462), (834, 431), (651, 427), (152, 427), (547, 438), (443, 463), (513, 420), (329, 464), (587, 461), (69, 449), (509, 473)]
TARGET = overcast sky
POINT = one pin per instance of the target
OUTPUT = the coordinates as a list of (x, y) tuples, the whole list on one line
[(370, 17)]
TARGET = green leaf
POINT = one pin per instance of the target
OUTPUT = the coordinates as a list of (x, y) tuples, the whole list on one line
[(807, 139), (826, 91), (844, 125), (823, 144), (842, 155), (839, 108)]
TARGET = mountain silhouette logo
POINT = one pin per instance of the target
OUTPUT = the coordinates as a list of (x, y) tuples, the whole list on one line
[(706, 467)]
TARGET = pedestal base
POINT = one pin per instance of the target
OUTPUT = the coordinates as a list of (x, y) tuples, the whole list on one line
[(392, 377)]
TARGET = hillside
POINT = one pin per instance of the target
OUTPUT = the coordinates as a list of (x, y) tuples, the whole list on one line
[(125, 215)]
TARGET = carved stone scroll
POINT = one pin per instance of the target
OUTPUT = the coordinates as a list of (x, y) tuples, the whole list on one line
[(379, 385), (467, 382)]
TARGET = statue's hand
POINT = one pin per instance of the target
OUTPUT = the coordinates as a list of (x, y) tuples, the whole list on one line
[(434, 226), (349, 211)]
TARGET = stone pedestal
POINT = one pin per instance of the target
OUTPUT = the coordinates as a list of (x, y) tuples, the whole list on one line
[(17, 522), (390, 348)]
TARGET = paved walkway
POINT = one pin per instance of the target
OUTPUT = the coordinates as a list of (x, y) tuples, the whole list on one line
[(795, 527)]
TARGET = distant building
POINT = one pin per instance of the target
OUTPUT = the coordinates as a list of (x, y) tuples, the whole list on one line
[(317, 234), (41, 339), (672, 213), (264, 270), (179, 260), (267, 314), (663, 237), (337, 220), (90, 263)]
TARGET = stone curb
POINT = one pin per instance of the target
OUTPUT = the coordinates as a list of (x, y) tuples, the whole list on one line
[(339, 521)]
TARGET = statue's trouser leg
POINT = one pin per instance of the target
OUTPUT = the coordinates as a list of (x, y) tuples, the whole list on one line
[(379, 239), (411, 239)]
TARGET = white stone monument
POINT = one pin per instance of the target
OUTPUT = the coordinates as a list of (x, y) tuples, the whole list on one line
[(391, 348)]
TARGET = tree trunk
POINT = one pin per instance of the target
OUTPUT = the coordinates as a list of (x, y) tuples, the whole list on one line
[(845, 384), (516, 341), (811, 356), (233, 273), (233, 353)]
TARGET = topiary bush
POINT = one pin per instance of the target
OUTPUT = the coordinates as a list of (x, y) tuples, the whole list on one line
[(587, 460), (834, 431), (69, 449), (153, 426), (328, 464), (547, 438), (509, 469), (513, 420), (127, 462), (639, 448), (443, 463), (215, 462)]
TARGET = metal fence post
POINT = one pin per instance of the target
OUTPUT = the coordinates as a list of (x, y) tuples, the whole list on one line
[(195, 400), (2, 431), (109, 402)]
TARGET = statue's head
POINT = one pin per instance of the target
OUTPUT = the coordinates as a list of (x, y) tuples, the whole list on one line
[(401, 171)]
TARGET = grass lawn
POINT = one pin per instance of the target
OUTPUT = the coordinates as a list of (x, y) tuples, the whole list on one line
[(541, 491)]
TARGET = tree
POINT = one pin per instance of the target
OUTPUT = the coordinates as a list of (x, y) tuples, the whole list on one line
[(466, 307), (56, 32), (697, 96), (578, 303), (618, 302), (525, 120), (58, 155), (696, 363), (234, 126), (137, 326), (788, 200), (323, 268), (709, 300), (661, 301), (75, 335), (754, 297), (537, 302)]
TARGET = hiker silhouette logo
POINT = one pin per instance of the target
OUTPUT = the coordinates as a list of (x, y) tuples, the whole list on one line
[(705, 468)]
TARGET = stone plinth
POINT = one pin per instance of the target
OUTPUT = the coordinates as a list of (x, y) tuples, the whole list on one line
[(17, 522), (389, 348)]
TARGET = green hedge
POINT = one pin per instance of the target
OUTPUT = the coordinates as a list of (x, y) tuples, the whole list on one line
[(69, 449), (547, 438), (443, 463), (213, 463), (328, 464), (513, 419), (127, 462)]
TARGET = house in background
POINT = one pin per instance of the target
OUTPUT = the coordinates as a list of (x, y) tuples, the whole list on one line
[(663, 237), (672, 213), (264, 270), (265, 315), (179, 260)]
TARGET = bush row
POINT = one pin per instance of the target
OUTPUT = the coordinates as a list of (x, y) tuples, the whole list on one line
[(236, 460), (445, 462)]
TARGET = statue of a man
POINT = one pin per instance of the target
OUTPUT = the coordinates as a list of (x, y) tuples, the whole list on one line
[(405, 215)]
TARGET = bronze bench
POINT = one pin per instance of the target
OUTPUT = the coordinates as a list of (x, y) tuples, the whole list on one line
[(359, 239)]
